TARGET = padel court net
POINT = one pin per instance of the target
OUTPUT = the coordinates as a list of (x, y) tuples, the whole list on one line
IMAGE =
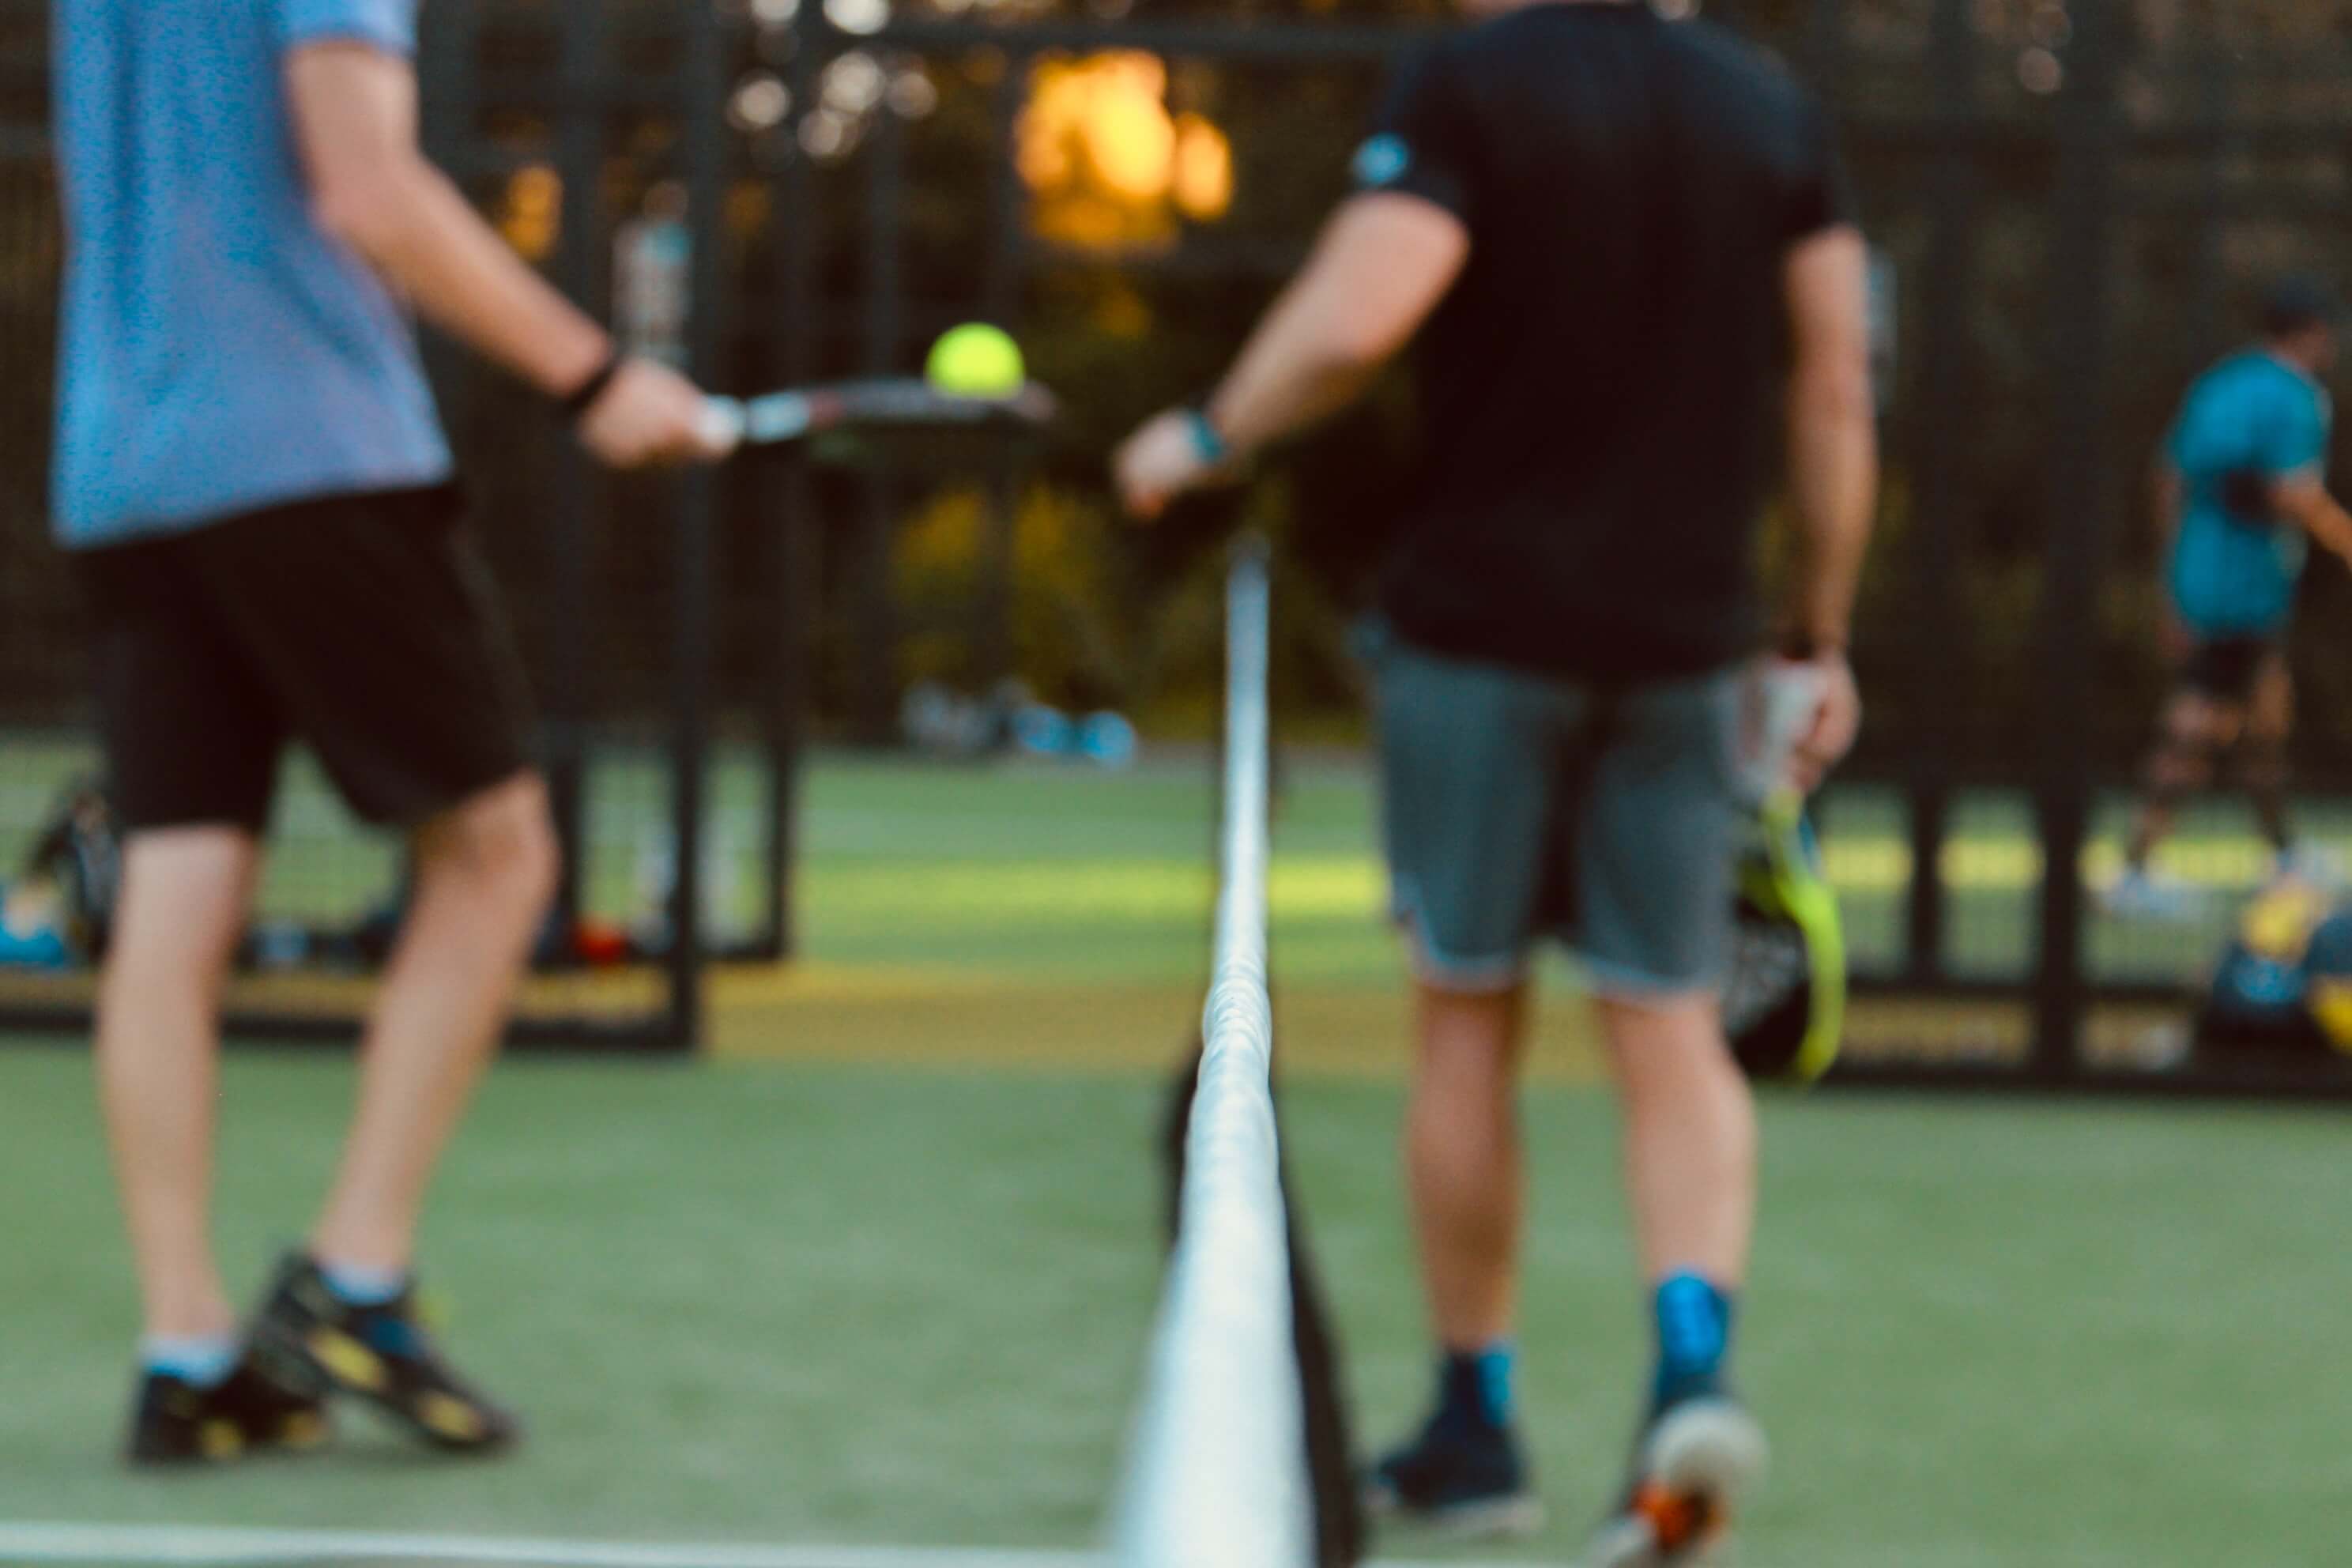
[(1218, 1471)]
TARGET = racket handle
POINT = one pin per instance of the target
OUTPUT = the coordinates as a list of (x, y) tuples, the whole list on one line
[(1788, 696), (723, 424)]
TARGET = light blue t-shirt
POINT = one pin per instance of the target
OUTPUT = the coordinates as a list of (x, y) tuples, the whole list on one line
[(2233, 573), (219, 353)]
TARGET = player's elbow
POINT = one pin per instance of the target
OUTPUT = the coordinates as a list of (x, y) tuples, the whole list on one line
[(371, 209)]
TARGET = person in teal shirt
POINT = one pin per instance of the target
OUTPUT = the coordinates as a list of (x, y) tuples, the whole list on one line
[(2241, 494)]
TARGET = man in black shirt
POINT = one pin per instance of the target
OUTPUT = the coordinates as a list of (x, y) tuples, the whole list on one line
[(1625, 247)]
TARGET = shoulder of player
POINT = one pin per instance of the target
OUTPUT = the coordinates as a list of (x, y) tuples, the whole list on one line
[(2236, 373), (1714, 44), (2279, 386), (1737, 69), (2250, 385)]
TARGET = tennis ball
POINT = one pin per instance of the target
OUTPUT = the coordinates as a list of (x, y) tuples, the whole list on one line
[(976, 360)]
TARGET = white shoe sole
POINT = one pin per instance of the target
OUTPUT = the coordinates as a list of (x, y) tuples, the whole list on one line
[(1711, 1448), (1515, 1518)]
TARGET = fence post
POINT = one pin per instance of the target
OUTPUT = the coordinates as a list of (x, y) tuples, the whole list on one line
[(1000, 301), (1825, 45), (573, 493), (2208, 325), (794, 589), (2082, 243), (703, 87), (874, 613), (1939, 461), (447, 81)]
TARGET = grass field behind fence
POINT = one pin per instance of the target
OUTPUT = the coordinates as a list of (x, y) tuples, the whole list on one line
[(939, 861)]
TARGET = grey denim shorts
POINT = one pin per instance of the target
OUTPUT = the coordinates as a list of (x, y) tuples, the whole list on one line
[(1521, 806)]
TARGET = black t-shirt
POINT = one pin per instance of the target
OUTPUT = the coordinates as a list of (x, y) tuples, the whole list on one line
[(1600, 386)]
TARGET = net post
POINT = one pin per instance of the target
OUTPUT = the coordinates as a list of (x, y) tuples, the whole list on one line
[(1217, 1471)]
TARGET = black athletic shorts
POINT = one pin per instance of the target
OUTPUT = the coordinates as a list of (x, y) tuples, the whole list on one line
[(363, 626), (2225, 669)]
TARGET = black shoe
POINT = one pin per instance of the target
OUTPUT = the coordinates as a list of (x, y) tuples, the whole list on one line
[(1692, 1465), (180, 1423), (308, 1336), (1461, 1475)]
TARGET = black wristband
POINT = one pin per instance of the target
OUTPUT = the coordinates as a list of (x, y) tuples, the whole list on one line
[(583, 397), (1803, 647)]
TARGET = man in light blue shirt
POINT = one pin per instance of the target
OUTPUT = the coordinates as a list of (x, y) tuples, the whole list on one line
[(255, 486), (2242, 493), (193, 240)]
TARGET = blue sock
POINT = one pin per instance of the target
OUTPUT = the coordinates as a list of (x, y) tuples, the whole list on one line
[(359, 1286), (1694, 1322), (200, 1360), (1477, 1384)]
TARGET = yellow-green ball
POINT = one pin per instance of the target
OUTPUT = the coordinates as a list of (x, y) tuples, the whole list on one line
[(976, 361)]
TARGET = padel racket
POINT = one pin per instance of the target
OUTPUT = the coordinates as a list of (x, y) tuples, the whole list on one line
[(905, 404), (1784, 1001)]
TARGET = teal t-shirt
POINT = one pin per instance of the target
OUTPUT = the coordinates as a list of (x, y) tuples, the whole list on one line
[(2234, 574), (219, 353)]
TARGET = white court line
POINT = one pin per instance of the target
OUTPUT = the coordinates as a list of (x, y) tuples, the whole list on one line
[(191, 1546), (196, 1547)]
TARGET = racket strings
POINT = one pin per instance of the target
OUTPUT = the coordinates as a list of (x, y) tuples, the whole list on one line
[(1769, 965)]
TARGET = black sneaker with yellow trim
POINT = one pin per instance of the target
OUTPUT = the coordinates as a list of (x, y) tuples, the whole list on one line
[(180, 1423), (308, 1336)]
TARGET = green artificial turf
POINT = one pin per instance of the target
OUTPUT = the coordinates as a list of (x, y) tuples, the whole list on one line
[(796, 1299), (779, 1302)]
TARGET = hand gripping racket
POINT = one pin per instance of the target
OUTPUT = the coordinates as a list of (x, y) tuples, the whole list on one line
[(1784, 999)]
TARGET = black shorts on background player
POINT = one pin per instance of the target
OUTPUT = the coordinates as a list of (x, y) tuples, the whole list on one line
[(362, 626), (2226, 670)]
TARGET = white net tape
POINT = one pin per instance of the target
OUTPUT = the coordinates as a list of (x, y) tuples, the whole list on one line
[(1217, 1475)]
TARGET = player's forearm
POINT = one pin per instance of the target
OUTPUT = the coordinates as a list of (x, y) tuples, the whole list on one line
[(2320, 515), (1301, 366), (1833, 492), (1380, 267), (416, 229)]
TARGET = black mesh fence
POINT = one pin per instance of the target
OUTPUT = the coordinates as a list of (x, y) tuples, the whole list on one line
[(2074, 201)]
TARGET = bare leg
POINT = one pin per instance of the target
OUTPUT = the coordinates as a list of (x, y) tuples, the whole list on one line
[(184, 895), (1462, 1155), (1690, 1170), (484, 874), (1690, 1138), (2196, 730), (2263, 764)]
